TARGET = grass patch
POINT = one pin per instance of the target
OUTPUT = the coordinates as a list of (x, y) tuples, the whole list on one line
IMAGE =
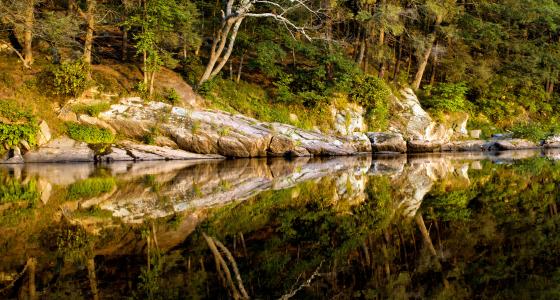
[(93, 212), (16, 124), (93, 109), (89, 188), (89, 134), (252, 100)]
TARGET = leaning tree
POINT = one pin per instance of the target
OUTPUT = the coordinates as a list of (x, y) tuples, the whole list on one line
[(235, 11)]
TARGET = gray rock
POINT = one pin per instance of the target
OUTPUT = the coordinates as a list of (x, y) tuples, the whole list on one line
[(460, 146), (13, 157), (512, 144), (62, 149), (552, 142), (423, 146), (387, 142), (502, 136), (89, 120), (217, 132), (132, 151), (44, 134), (475, 133)]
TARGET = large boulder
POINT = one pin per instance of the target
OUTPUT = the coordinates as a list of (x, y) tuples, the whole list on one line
[(348, 119), (552, 142), (463, 146), (127, 151), (226, 134), (62, 149), (512, 144), (44, 134), (423, 146), (387, 142)]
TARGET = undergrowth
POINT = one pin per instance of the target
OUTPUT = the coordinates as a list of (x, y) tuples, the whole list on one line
[(89, 134)]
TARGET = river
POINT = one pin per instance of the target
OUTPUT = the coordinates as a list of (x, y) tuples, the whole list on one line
[(461, 226)]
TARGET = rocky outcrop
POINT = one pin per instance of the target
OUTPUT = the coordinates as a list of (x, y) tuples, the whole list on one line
[(128, 151), (217, 132), (387, 142), (511, 144), (418, 146), (464, 146), (61, 149), (552, 142)]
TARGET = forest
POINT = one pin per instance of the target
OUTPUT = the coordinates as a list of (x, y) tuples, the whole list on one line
[(496, 60)]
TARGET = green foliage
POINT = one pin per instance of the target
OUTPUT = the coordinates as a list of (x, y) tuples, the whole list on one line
[(535, 131), (171, 96), (92, 109), (89, 188), (73, 243), (69, 78), (268, 54), (446, 97), (373, 94), (89, 133), (16, 124), (12, 190)]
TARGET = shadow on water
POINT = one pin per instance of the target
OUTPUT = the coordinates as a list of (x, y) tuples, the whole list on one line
[(463, 225)]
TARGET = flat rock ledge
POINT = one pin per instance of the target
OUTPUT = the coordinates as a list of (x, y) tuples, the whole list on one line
[(64, 149), (226, 134), (552, 142)]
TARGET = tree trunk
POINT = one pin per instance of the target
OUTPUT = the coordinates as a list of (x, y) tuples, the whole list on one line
[(230, 48), (218, 46), (124, 50), (28, 33), (90, 21), (362, 52), (425, 234), (92, 278), (152, 79), (422, 67), (32, 265), (380, 44), (398, 60), (240, 68)]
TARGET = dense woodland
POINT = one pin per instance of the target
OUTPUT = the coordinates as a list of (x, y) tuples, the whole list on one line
[(497, 60)]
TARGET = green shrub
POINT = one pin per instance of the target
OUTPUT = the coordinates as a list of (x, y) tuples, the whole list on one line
[(372, 93), (446, 97), (93, 109), (172, 96), (16, 124), (13, 190), (89, 134), (89, 188), (534, 131), (69, 78)]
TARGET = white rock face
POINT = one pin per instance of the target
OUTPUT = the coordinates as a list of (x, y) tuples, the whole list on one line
[(414, 123), (44, 134), (348, 120), (217, 132), (552, 142)]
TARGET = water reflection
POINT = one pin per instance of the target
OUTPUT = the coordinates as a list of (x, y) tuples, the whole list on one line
[(455, 225)]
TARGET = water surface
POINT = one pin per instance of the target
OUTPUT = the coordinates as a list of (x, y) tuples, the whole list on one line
[(462, 226)]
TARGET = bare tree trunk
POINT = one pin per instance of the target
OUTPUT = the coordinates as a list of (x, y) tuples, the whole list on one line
[(32, 264), (381, 43), (92, 278), (230, 48), (240, 68), (152, 79), (28, 33), (398, 60), (217, 48), (90, 21), (422, 67), (426, 56), (362, 52), (425, 234), (124, 50)]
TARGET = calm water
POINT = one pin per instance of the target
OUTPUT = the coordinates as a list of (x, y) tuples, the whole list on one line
[(442, 226)]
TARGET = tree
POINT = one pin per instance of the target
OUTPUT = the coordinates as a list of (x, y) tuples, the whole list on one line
[(20, 16), (155, 20), (235, 11)]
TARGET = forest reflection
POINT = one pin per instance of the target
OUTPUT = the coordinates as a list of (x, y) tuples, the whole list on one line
[(433, 226)]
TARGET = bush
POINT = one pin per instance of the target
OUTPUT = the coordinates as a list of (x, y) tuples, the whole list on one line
[(172, 96), (16, 124), (89, 134), (93, 110), (89, 188), (446, 97), (69, 78), (373, 93), (534, 131)]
